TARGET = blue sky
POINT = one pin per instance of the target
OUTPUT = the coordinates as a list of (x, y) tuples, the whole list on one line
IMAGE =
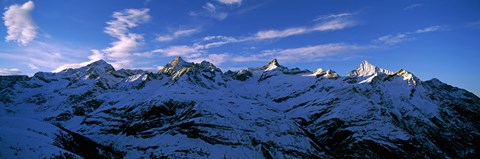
[(432, 39)]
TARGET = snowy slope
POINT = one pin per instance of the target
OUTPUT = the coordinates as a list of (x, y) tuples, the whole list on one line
[(195, 110)]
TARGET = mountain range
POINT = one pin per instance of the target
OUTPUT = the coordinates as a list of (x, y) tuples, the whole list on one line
[(195, 110)]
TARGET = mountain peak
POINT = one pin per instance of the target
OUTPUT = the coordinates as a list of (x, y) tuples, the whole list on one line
[(412, 79), (100, 65), (367, 69), (177, 61), (365, 63), (273, 64)]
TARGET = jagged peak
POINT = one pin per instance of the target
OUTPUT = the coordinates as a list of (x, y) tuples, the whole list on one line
[(407, 76), (319, 71), (176, 64), (367, 69), (404, 73), (365, 63), (326, 73), (207, 64), (273, 64), (177, 61)]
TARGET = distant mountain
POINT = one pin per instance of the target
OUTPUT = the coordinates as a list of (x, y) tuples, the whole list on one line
[(194, 110)]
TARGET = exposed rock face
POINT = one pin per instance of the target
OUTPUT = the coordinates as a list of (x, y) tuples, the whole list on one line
[(194, 110)]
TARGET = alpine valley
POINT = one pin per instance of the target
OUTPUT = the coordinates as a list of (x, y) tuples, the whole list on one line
[(194, 110)]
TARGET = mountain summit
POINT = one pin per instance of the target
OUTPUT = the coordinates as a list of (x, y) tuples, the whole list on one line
[(273, 64), (194, 110), (367, 69)]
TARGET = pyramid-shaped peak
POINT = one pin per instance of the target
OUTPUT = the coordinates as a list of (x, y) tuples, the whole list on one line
[(367, 69), (177, 61), (100, 62), (100, 65), (273, 64)]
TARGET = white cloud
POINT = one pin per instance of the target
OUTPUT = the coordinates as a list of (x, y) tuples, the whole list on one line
[(230, 2), (210, 7), (333, 16), (308, 53), (181, 50), (197, 52), (72, 65), (44, 55), (9, 71), (128, 18), (164, 38), (247, 59), (216, 41), (213, 12), (401, 37), (393, 39), (317, 52), (270, 34), (19, 23), (336, 24), (127, 42), (159, 68), (33, 67), (216, 59), (413, 6), (95, 56), (432, 29), (177, 34), (474, 24)]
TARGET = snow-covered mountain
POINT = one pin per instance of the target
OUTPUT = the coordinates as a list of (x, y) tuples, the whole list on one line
[(194, 110)]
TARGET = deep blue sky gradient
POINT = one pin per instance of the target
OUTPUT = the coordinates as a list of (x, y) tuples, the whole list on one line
[(73, 28)]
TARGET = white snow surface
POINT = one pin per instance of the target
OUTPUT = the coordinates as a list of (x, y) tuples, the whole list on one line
[(194, 110)]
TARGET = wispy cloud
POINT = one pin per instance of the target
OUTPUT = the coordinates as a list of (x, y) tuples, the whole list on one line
[(176, 34), (9, 71), (181, 50), (95, 56), (212, 11), (401, 37), (329, 25), (216, 59), (44, 55), (432, 29), (121, 51), (33, 67), (271, 34), (198, 50), (475, 24), (19, 23), (335, 24), (230, 2), (333, 16), (393, 39), (127, 42), (413, 6), (307, 53)]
